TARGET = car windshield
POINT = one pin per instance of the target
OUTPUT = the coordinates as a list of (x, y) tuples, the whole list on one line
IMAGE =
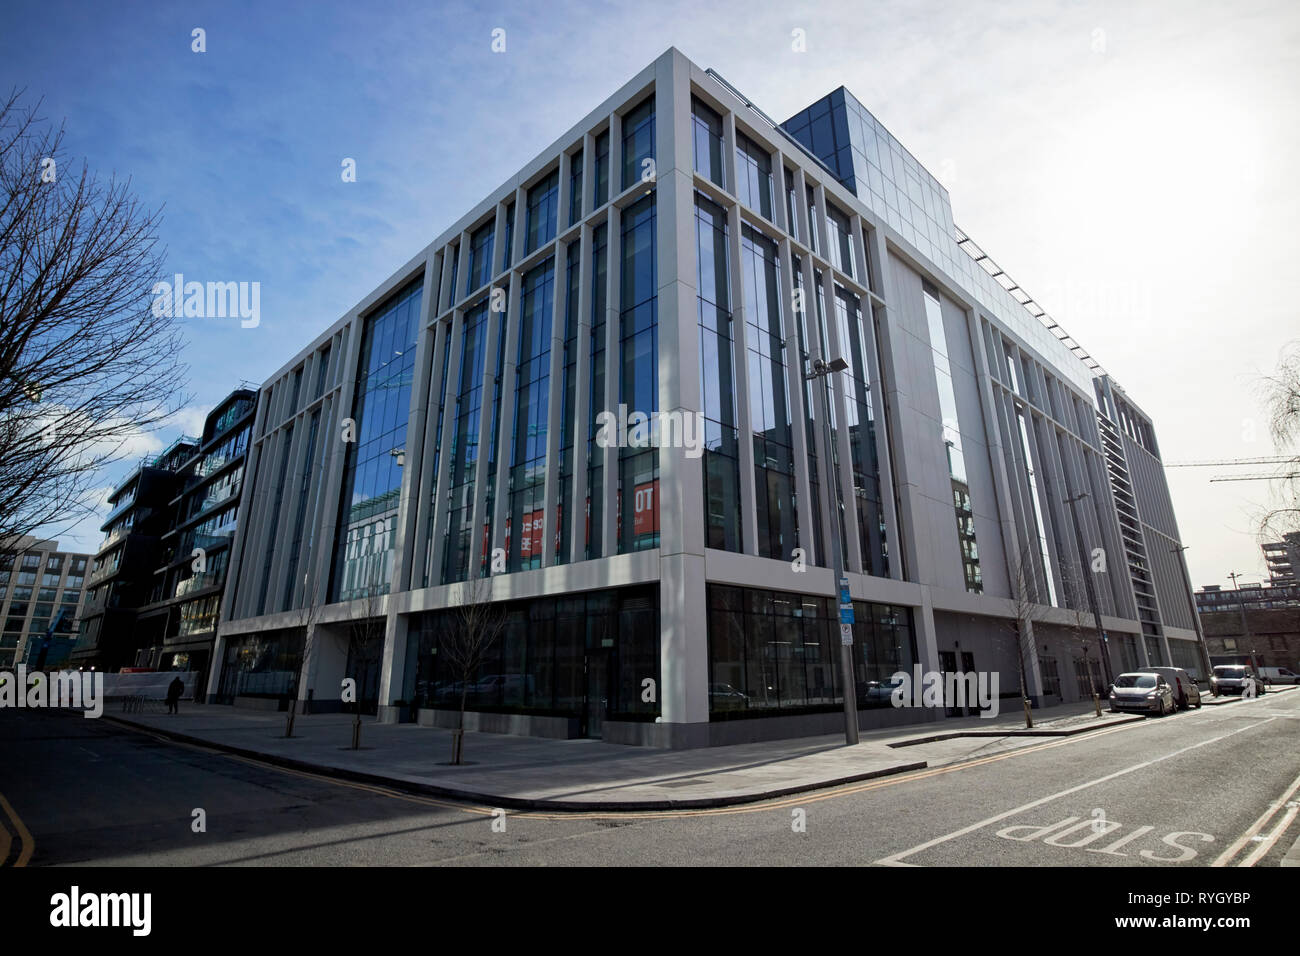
[(1230, 671), (1136, 680)]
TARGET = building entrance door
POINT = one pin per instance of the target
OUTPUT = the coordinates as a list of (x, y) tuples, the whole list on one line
[(597, 702)]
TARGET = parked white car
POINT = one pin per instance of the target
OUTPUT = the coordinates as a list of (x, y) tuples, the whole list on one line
[(1235, 679), (1279, 675)]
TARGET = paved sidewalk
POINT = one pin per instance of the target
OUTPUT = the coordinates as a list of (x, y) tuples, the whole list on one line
[(532, 773)]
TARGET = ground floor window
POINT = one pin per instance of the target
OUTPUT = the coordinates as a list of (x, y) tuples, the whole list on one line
[(1050, 674), (1087, 676), (773, 652), (1154, 657), (580, 655), (260, 665), (1128, 654)]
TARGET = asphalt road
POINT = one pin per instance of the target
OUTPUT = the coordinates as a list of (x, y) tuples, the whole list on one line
[(1216, 786)]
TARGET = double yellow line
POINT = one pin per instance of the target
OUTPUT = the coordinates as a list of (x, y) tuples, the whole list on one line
[(26, 844)]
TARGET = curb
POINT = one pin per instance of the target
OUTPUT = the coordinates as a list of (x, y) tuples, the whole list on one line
[(934, 738), (514, 803), (1292, 857)]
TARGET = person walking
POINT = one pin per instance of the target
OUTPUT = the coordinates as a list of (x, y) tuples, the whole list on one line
[(174, 691)]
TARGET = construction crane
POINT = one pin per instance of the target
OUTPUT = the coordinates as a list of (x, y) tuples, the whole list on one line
[(1222, 462)]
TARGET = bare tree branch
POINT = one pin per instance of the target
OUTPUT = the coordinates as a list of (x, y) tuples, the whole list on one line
[(85, 364)]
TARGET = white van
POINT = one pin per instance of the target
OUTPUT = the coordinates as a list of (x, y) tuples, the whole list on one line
[(1279, 675)]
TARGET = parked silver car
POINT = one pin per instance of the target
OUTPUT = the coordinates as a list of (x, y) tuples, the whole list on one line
[(1187, 693), (1236, 679), (1142, 692)]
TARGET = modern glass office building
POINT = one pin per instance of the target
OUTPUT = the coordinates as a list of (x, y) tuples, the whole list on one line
[(676, 262)]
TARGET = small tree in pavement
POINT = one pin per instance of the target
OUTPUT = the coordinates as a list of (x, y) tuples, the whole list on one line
[(473, 629)]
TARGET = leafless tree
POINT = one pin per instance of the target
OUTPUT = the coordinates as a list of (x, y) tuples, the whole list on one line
[(85, 364), (1082, 628), (367, 621), (476, 624), (1026, 611), (308, 614), (1280, 392)]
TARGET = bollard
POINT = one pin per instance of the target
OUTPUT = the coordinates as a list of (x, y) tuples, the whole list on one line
[(1096, 702), (1029, 719)]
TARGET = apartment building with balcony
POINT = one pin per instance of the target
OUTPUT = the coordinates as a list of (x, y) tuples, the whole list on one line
[(42, 591)]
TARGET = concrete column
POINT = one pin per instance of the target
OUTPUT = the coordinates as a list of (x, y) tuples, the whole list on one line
[(683, 644), (393, 657), (554, 401), (323, 553), (779, 211), (613, 370), (279, 589), (437, 402), (439, 533), (582, 373), (894, 390)]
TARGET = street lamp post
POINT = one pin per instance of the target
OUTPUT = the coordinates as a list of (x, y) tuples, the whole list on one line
[(1245, 624), (1104, 649), (822, 369), (1196, 617)]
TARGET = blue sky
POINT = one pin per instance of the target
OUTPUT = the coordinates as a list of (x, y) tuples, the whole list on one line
[(1130, 164)]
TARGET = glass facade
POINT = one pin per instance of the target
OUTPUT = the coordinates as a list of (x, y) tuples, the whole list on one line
[(769, 397), (773, 652), (372, 473), (1036, 499), (722, 511), (541, 215), (857, 348), (569, 409), (810, 411), (527, 502), (638, 467), (570, 656), (462, 468), (480, 257), (600, 170), (639, 142), (753, 176), (951, 436), (706, 127), (596, 397), (575, 187)]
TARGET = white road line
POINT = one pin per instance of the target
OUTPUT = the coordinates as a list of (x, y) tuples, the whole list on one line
[(1268, 842), (896, 859), (1258, 825)]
